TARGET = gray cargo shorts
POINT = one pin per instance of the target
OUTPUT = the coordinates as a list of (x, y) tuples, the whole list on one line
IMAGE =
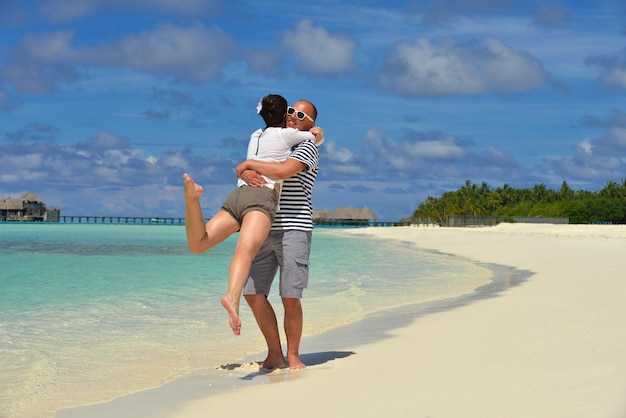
[(288, 250)]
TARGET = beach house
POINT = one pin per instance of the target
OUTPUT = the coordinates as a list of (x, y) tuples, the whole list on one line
[(344, 216), (28, 208)]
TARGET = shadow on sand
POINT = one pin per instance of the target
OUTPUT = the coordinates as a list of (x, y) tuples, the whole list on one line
[(310, 359)]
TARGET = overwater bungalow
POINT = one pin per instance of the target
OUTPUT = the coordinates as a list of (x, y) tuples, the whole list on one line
[(344, 216), (28, 208)]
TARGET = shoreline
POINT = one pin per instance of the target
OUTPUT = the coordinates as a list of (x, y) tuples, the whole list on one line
[(533, 350), (320, 349)]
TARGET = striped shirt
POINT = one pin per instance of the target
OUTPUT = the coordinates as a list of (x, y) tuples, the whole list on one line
[(296, 209)]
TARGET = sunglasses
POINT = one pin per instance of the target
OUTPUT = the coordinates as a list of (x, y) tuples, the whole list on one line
[(299, 114)]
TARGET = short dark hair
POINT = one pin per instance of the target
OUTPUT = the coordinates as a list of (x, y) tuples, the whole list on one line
[(273, 110)]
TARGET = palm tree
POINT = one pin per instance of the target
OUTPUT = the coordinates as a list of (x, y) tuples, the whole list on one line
[(539, 193), (565, 193), (494, 199)]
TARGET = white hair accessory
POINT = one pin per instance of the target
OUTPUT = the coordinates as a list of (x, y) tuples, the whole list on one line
[(259, 106)]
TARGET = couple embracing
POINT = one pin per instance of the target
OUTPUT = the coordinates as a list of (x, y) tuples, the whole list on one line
[(272, 211)]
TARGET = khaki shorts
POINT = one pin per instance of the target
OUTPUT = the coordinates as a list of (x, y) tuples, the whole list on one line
[(245, 199)]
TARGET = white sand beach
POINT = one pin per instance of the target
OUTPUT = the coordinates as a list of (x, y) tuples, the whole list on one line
[(552, 347)]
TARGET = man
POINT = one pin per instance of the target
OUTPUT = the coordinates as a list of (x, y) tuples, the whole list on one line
[(289, 242)]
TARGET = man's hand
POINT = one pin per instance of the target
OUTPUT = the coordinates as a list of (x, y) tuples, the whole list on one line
[(192, 190), (250, 176), (319, 134), (241, 167)]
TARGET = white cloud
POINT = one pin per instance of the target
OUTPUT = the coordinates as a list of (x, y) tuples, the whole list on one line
[(13, 162), (48, 48), (619, 135), (175, 160), (333, 153), (584, 147), (108, 141), (444, 149), (191, 53), (422, 68), (591, 161), (64, 10), (319, 52), (42, 62), (613, 69)]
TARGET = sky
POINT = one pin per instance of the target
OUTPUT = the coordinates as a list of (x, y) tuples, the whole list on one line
[(104, 104)]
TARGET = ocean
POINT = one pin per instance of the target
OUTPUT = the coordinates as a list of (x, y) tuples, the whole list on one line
[(91, 312)]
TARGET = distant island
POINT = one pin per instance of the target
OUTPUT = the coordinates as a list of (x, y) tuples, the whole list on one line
[(508, 204)]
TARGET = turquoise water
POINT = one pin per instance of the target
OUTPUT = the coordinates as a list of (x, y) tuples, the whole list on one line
[(90, 312)]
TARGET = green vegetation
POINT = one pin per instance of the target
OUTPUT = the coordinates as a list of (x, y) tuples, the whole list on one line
[(581, 207)]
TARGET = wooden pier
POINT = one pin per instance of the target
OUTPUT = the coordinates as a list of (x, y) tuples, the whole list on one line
[(119, 220), (89, 219)]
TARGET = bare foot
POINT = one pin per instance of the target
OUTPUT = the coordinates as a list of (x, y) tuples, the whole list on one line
[(233, 313), (295, 363), (192, 189), (274, 363)]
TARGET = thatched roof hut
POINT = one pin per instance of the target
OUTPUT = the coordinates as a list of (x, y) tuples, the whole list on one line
[(29, 207), (321, 214), (11, 204), (31, 197), (364, 214), (17, 204)]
